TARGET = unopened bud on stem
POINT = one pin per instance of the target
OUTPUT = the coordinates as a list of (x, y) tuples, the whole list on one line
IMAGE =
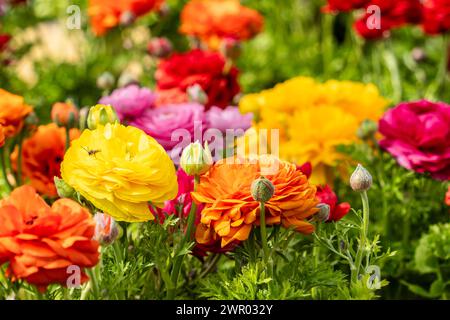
[(101, 115), (361, 180), (262, 189), (196, 160)]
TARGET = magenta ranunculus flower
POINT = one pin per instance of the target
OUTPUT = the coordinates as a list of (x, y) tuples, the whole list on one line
[(182, 203), (173, 126), (417, 134), (130, 101), (228, 118)]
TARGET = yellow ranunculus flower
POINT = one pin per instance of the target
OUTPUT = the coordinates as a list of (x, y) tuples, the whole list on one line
[(313, 118), (120, 170)]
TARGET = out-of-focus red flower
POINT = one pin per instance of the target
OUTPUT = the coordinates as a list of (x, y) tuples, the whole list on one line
[(159, 47), (344, 5), (447, 197), (337, 210), (306, 168), (436, 16), (393, 14), (41, 242), (4, 39), (205, 68), (107, 14)]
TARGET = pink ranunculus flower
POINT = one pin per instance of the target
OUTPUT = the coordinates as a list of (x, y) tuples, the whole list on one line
[(228, 118), (417, 134), (173, 126), (130, 101), (181, 205)]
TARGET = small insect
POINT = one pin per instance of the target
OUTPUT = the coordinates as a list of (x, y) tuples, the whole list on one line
[(91, 152)]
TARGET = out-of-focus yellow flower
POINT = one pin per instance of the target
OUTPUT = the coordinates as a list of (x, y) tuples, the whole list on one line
[(314, 135), (314, 118), (120, 170)]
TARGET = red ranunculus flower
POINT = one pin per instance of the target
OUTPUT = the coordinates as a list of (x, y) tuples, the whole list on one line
[(205, 68), (436, 16), (417, 134), (337, 210), (4, 39), (344, 5), (393, 14)]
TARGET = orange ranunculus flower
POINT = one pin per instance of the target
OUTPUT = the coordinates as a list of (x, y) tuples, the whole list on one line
[(213, 20), (107, 14), (40, 242), (2, 136), (61, 112), (230, 210), (13, 111), (42, 155)]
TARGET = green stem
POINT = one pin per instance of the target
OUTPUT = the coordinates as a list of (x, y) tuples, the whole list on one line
[(392, 66), (441, 75), (316, 254), (363, 237), (210, 266), (19, 160), (67, 129), (262, 216), (187, 237), (4, 169)]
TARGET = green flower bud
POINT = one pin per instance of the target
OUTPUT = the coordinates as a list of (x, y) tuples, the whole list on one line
[(63, 189), (83, 117), (196, 160), (361, 180), (367, 129), (262, 189), (101, 115), (324, 212)]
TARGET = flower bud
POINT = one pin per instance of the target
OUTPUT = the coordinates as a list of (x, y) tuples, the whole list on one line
[(63, 189), (101, 115), (196, 160), (367, 129), (262, 189), (361, 180), (196, 94), (159, 47), (106, 229), (163, 10), (32, 120), (127, 18), (231, 48), (105, 81), (324, 212), (84, 112), (64, 114), (418, 54)]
